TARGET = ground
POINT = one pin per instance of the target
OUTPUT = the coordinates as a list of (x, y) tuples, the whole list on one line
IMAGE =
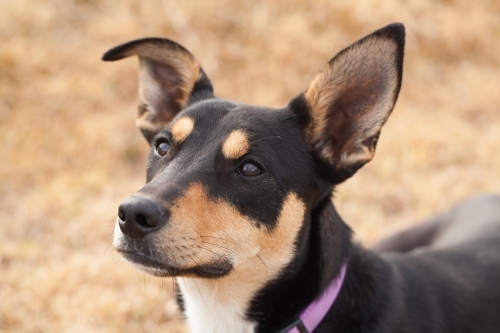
[(70, 152)]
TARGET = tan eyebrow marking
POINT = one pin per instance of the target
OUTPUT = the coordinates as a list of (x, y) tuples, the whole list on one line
[(235, 145), (182, 128)]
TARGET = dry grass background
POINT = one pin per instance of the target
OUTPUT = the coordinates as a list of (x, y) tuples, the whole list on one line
[(70, 153)]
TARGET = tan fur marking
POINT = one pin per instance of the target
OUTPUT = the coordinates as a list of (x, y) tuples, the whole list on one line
[(374, 57), (195, 216), (182, 128), (203, 230), (196, 220), (235, 145), (230, 296)]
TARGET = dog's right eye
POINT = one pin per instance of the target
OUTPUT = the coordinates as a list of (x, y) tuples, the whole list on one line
[(250, 169), (162, 148)]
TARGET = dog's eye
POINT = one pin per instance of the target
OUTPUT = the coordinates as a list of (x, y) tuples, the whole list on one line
[(250, 169), (162, 148)]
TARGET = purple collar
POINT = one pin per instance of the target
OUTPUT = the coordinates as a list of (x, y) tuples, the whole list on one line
[(316, 311)]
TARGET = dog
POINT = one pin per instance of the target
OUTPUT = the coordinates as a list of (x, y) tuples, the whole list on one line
[(237, 206)]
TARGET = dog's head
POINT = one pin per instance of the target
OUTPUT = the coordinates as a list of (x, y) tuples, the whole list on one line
[(231, 186)]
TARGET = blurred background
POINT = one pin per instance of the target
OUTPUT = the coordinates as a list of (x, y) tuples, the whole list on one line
[(70, 153)]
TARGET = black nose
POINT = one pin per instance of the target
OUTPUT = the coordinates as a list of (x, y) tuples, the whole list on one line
[(141, 215)]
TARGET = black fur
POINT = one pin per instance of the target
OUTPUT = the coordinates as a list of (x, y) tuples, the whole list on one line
[(273, 136), (436, 286)]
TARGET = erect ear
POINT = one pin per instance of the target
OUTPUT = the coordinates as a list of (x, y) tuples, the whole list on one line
[(170, 78), (351, 98)]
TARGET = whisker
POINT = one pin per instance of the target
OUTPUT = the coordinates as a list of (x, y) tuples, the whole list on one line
[(174, 289), (220, 246), (195, 263), (267, 137), (150, 251), (116, 258), (231, 250), (208, 308), (184, 281), (161, 288), (107, 251), (204, 248), (265, 266), (226, 240)]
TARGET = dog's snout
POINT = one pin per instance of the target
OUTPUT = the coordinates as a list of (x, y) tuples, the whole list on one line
[(140, 215)]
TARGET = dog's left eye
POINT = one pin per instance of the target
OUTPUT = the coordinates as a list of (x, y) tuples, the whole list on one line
[(162, 148), (250, 169)]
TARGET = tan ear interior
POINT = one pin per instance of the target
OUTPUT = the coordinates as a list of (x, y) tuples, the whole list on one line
[(350, 100), (167, 77)]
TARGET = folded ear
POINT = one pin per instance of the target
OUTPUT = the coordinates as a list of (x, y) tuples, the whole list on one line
[(351, 98), (170, 79)]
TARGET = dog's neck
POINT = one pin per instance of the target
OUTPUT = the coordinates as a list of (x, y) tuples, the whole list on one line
[(220, 305), (246, 301), (322, 247), (216, 305)]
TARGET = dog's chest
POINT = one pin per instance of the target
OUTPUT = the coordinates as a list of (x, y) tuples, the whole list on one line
[(209, 309)]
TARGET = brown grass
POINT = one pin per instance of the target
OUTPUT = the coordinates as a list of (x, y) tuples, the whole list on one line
[(70, 152)]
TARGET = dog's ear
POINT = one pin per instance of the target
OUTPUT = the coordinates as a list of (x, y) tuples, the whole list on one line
[(170, 78), (347, 103)]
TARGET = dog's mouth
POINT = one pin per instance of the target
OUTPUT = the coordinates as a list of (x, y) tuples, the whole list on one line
[(213, 269)]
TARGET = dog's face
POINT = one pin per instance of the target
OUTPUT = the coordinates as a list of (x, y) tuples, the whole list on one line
[(232, 183), (230, 187)]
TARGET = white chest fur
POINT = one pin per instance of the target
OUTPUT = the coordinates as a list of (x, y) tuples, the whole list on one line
[(210, 308)]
